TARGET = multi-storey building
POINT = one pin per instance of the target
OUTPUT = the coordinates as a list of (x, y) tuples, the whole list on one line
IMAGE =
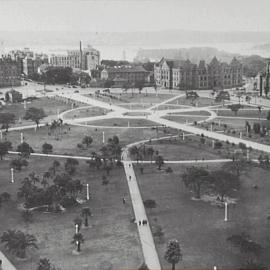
[(125, 74), (185, 75), (85, 59), (9, 72)]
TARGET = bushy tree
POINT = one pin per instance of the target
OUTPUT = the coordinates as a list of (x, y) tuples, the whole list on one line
[(173, 253), (47, 148), (196, 177), (70, 165), (18, 163), (6, 119), (87, 140), (34, 114), (17, 242), (224, 182), (25, 149), (235, 108), (4, 148)]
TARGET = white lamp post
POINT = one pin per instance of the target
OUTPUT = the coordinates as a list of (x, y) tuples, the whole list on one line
[(226, 211), (103, 137), (213, 143), (1, 135), (87, 192), (76, 228), (21, 137), (183, 136), (12, 175)]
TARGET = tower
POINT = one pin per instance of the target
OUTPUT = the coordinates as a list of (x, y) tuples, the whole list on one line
[(267, 77), (80, 55)]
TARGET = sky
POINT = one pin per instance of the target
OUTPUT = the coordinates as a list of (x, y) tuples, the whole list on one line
[(134, 15)]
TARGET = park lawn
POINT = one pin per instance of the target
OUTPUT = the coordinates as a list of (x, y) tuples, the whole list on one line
[(169, 106), (195, 113), (246, 112), (136, 106), (201, 101), (111, 236), (177, 149), (198, 226), (123, 122), (183, 119), (50, 107), (67, 143), (85, 112)]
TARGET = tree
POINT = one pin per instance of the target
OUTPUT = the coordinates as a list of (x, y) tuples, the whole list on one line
[(235, 108), (85, 214), (17, 242), (45, 264), (173, 253), (18, 163), (224, 182), (47, 148), (194, 178), (257, 128), (34, 114), (70, 165), (87, 140), (25, 149), (268, 116), (150, 152), (159, 161), (77, 239), (6, 119), (4, 147), (56, 164), (247, 246)]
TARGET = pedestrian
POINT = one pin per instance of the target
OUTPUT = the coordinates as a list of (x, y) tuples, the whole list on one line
[(140, 223), (129, 177), (124, 200), (129, 165), (1, 263)]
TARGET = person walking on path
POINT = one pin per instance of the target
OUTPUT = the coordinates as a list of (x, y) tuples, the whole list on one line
[(124, 200)]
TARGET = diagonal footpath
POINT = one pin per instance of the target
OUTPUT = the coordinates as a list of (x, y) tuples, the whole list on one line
[(6, 264), (147, 242)]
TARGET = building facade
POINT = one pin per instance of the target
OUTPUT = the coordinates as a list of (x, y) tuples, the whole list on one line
[(184, 75), (85, 59), (9, 72), (122, 75)]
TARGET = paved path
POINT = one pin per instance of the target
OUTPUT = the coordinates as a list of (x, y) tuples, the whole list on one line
[(147, 242), (6, 264)]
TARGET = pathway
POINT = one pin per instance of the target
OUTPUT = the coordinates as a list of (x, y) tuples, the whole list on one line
[(6, 264)]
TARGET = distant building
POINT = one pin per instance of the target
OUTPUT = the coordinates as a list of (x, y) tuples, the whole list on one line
[(184, 75), (13, 96), (87, 59), (122, 75), (28, 60), (263, 80), (9, 72)]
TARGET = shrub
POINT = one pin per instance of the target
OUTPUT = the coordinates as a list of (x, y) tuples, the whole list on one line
[(150, 203), (67, 202), (169, 170), (218, 145)]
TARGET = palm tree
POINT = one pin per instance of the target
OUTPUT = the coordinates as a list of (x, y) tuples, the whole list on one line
[(85, 214), (18, 242), (78, 239)]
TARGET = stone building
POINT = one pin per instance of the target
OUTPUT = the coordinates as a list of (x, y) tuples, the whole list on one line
[(122, 75), (9, 72), (184, 75), (85, 59)]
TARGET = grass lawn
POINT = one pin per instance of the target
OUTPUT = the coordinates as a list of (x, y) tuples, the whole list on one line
[(199, 226), (177, 149), (111, 237), (182, 119), (85, 112), (136, 98), (246, 112), (122, 122), (201, 101), (67, 143), (50, 107), (196, 113)]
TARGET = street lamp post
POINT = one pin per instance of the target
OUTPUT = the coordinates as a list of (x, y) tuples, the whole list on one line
[(87, 192), (21, 137), (12, 175), (226, 211), (103, 137)]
